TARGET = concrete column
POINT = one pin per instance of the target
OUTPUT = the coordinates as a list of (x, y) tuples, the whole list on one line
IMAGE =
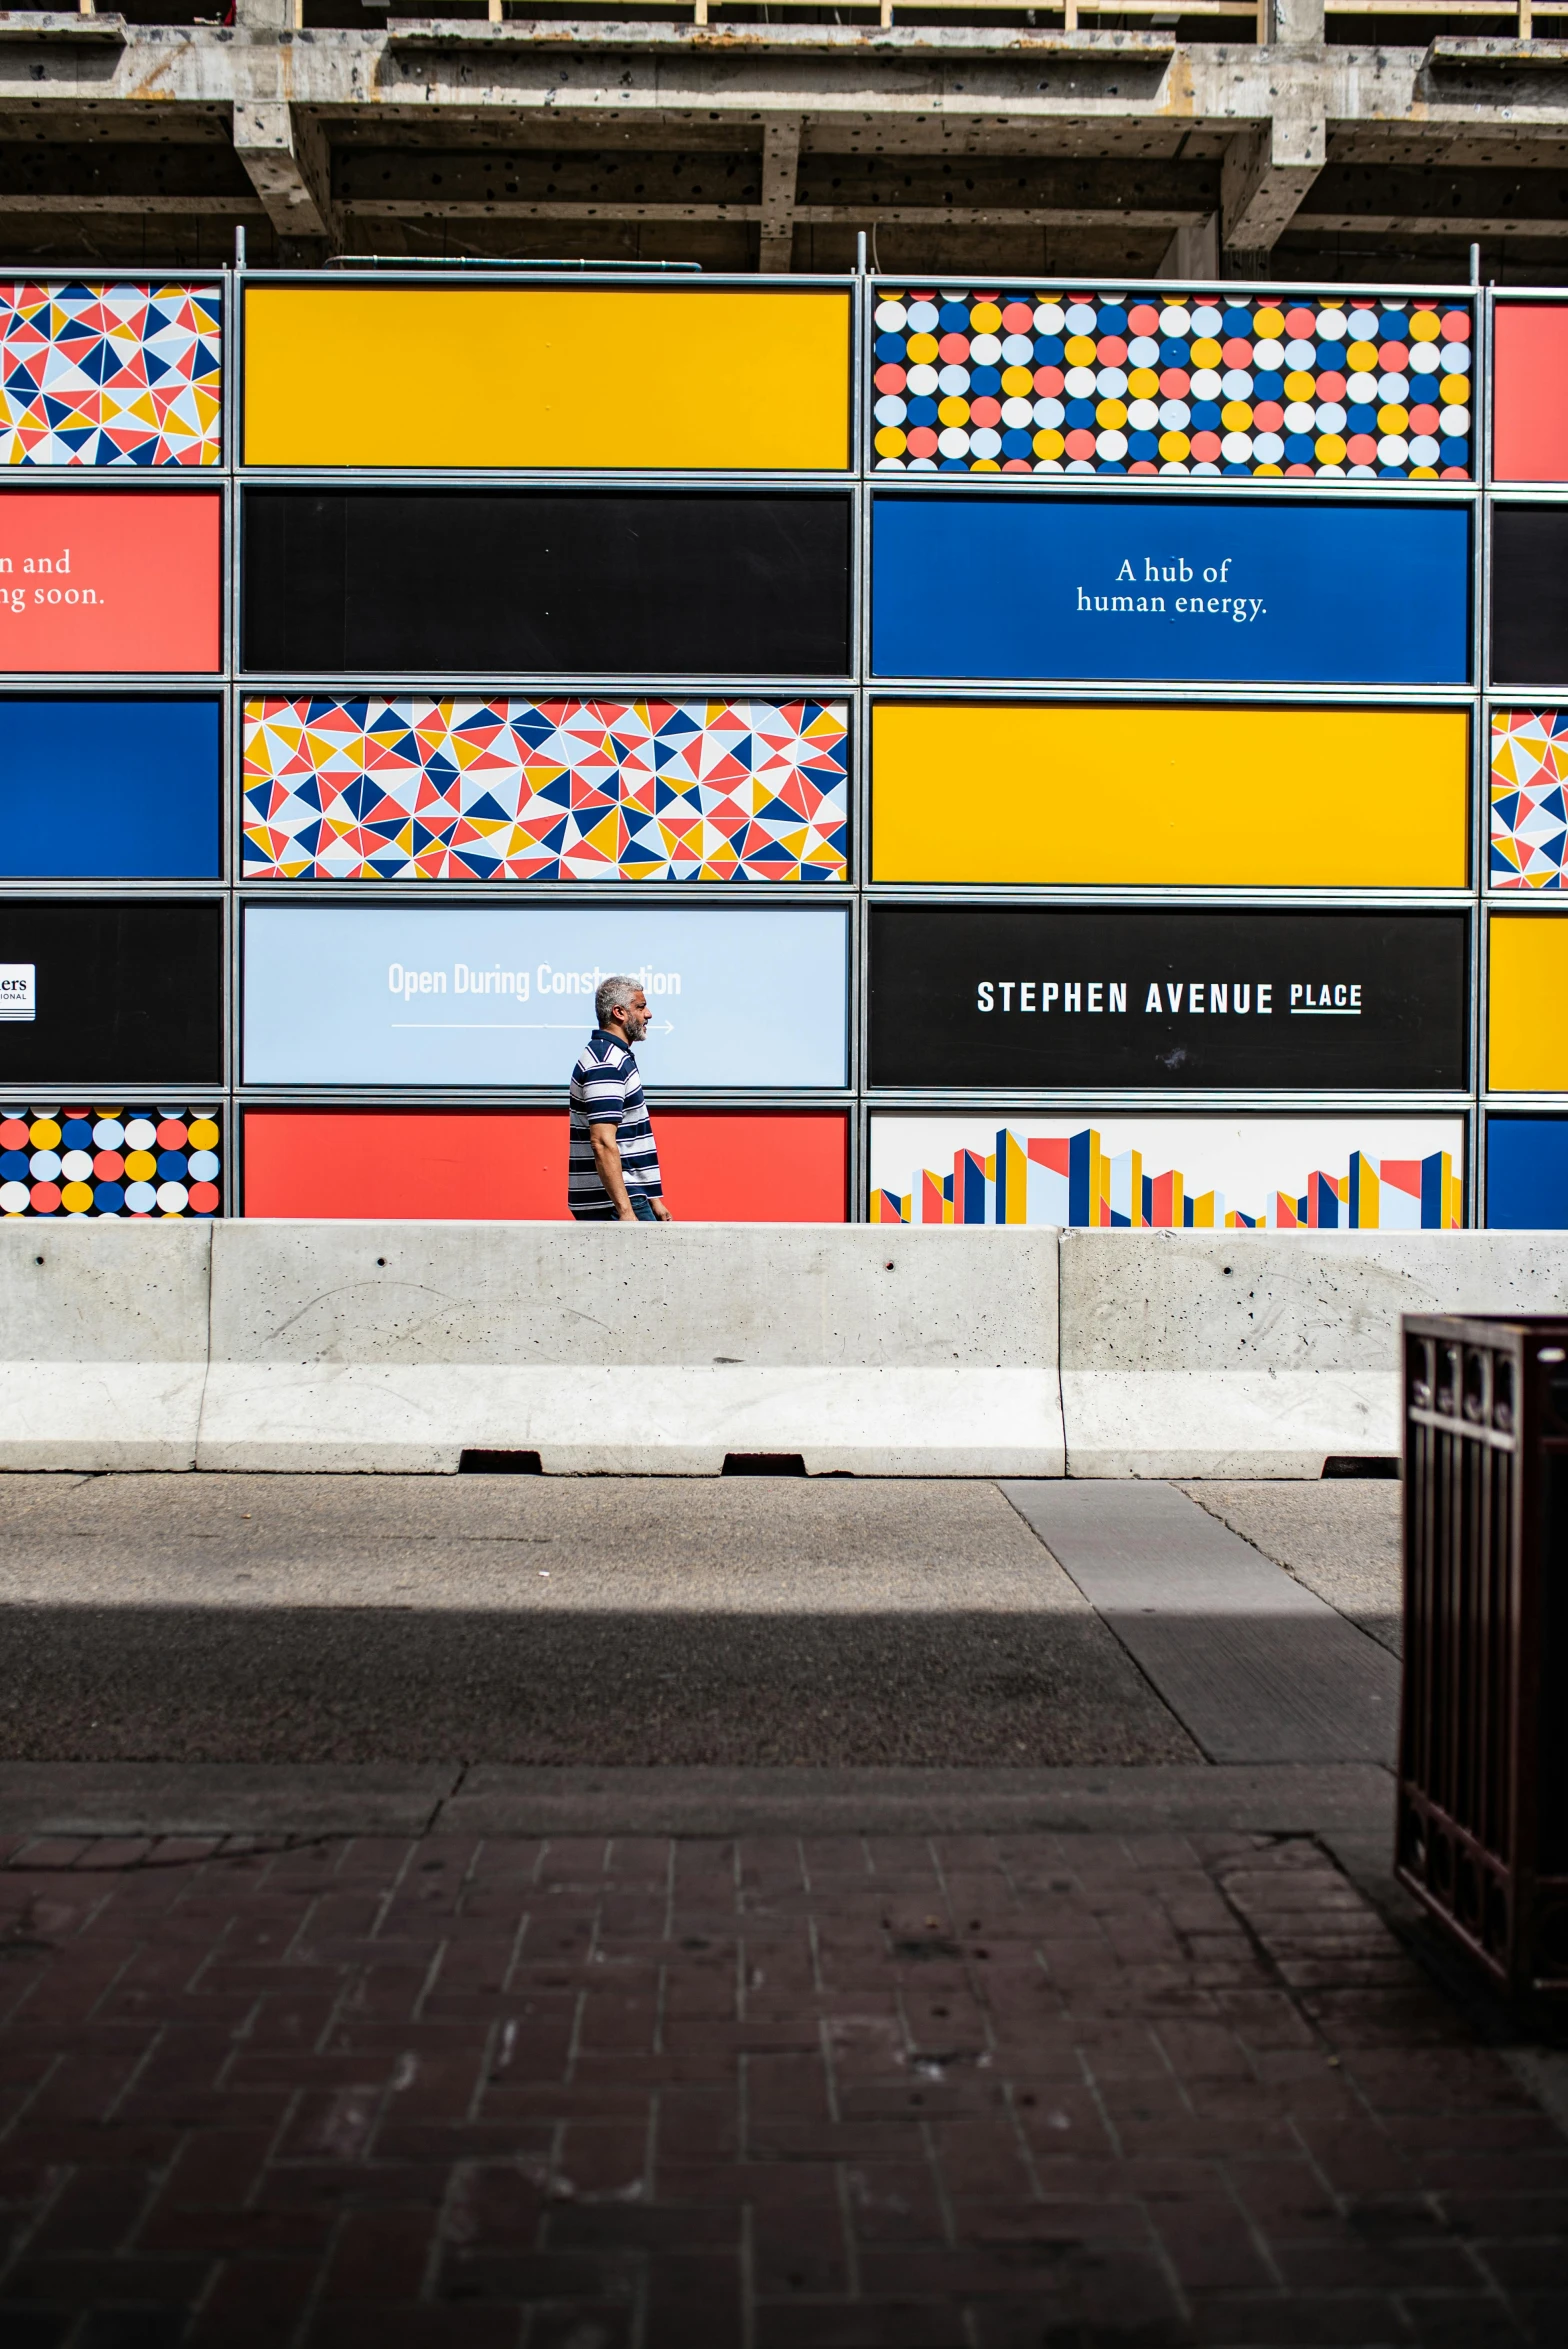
[(1296, 24), (1194, 251), (1267, 171), (285, 155), (780, 164)]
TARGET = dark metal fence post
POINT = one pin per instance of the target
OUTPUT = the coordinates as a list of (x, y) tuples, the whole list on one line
[(1483, 1753)]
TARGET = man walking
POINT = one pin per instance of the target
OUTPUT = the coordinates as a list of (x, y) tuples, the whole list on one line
[(613, 1170)]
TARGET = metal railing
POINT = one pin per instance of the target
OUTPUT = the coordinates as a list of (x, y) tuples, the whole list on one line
[(1517, 16), (1482, 1815), (1068, 16), (1071, 12), (1521, 17)]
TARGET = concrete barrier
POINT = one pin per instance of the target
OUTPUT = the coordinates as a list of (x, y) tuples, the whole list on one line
[(103, 1343), (652, 1349), (1259, 1353), (874, 1351)]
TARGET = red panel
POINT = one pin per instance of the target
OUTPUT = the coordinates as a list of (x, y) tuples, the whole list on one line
[(484, 1164), (754, 1166), (109, 579), (508, 1165), (1530, 391)]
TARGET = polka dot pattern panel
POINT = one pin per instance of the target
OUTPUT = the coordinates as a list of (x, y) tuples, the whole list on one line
[(1287, 388), (142, 1163)]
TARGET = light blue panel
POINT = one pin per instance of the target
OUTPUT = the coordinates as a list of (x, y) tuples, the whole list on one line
[(1161, 590), (502, 995), (1527, 1174)]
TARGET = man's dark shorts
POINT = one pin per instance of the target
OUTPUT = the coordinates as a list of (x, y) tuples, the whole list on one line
[(642, 1208)]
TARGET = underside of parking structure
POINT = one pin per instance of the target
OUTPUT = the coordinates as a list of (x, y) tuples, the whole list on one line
[(1320, 138)]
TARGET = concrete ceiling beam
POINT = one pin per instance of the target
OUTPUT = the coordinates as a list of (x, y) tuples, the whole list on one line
[(133, 207), (588, 176), (806, 215), (1407, 226), (367, 178)]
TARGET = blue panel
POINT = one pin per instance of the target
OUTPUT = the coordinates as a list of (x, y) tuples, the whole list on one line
[(1527, 1174), (502, 995), (1164, 591), (117, 790)]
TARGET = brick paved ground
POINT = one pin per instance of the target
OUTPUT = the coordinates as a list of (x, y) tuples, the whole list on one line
[(1043, 2090)]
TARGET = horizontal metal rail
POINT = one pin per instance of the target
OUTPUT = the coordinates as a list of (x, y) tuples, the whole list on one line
[(1072, 13)]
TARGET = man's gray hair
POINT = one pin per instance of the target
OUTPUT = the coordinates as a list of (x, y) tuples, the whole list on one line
[(613, 995)]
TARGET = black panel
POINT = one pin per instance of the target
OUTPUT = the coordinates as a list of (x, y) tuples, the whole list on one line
[(380, 580), (1530, 595), (127, 993), (1393, 1014)]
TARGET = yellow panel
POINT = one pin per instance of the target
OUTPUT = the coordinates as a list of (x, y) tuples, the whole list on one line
[(1527, 987), (516, 375), (1259, 798)]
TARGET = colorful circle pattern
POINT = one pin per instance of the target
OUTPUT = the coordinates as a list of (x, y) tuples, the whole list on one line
[(1319, 389), (142, 1164)]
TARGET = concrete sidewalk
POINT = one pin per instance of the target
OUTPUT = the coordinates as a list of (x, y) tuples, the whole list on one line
[(644, 1622), (409, 1643), (528, 1620), (799, 1912)]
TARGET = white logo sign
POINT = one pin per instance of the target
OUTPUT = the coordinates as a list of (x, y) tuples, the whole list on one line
[(18, 991)]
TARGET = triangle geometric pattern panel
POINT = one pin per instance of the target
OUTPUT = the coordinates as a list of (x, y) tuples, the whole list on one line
[(1529, 824), (1071, 1180), (144, 1163), (110, 375), (415, 789), (1315, 389)]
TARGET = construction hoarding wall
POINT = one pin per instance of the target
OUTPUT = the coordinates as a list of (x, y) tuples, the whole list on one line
[(545, 789), (1527, 1032), (382, 582), (1529, 418), (1256, 386), (116, 988), (1049, 751), (1154, 1173), (1169, 794), (741, 1166), (1319, 1002), (642, 379), (1170, 590), (1529, 595), (111, 580), (1527, 1173), (107, 788), (111, 1159), (1528, 821), (497, 995), (117, 374)]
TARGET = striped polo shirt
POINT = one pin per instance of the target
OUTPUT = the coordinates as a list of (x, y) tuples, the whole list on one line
[(607, 1091)]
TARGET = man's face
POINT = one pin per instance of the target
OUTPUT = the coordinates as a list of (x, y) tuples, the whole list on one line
[(634, 1018)]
